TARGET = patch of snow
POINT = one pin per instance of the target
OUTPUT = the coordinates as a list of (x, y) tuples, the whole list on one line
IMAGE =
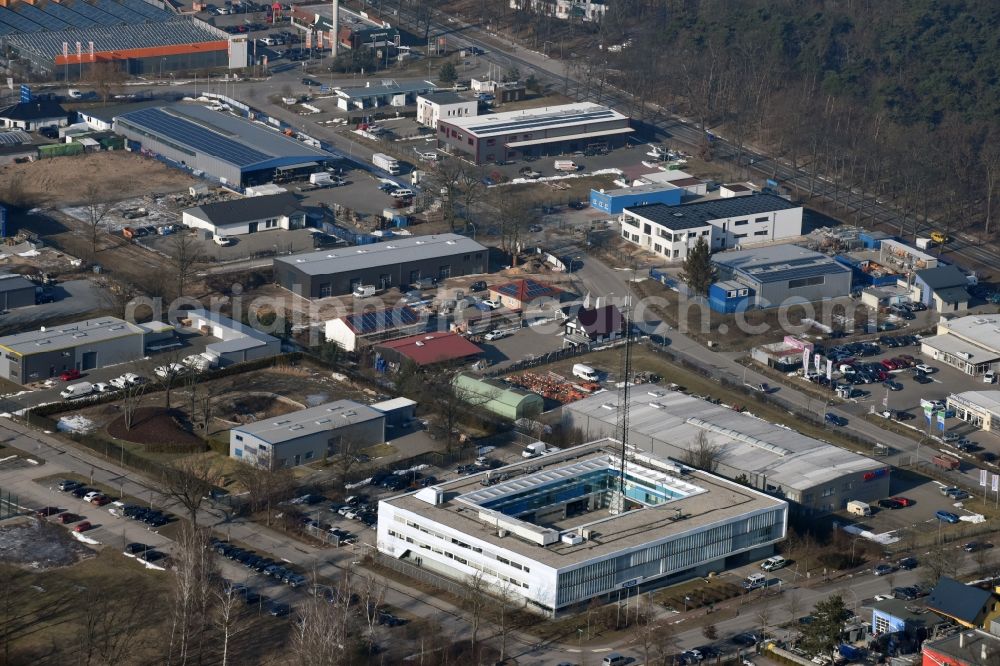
[(80, 536), (75, 423), (29, 253)]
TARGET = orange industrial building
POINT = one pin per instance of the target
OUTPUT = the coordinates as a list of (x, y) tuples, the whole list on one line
[(64, 39)]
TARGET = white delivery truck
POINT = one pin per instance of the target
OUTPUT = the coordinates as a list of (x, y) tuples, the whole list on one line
[(565, 165), (858, 508), (386, 163), (532, 450), (321, 179), (74, 391), (585, 372)]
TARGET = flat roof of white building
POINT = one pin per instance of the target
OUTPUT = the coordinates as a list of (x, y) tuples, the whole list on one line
[(581, 114), (988, 401), (395, 251), (787, 458), (327, 417), (67, 336), (982, 330), (676, 500)]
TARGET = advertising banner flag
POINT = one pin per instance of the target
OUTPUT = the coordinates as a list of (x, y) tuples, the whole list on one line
[(996, 482), (983, 474)]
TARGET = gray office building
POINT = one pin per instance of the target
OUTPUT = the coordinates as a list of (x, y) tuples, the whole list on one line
[(307, 436), (394, 263), (47, 352), (779, 273)]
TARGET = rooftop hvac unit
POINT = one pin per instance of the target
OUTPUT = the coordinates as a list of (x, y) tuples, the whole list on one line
[(501, 533), (572, 538)]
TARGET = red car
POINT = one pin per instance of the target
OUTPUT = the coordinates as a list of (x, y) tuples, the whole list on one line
[(910, 361), (101, 500), (889, 364), (83, 527), (67, 518), (905, 501), (70, 375)]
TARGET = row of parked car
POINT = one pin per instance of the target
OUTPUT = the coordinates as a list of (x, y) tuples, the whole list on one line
[(260, 564)]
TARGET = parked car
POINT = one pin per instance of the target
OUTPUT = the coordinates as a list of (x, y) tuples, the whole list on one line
[(491, 304), (926, 369), (883, 569), (974, 546), (922, 379), (904, 501), (70, 375), (958, 494), (889, 504), (276, 609), (82, 527), (68, 485), (946, 516), (893, 385), (478, 285), (46, 511), (494, 335), (835, 420), (67, 518), (907, 563), (905, 593)]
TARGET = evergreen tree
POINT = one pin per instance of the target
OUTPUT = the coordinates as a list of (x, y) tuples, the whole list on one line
[(448, 74), (822, 635), (697, 271)]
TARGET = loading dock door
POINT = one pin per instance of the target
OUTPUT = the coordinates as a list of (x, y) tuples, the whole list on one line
[(89, 360)]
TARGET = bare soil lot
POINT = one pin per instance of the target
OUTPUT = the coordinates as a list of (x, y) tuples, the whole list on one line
[(65, 181), (39, 545)]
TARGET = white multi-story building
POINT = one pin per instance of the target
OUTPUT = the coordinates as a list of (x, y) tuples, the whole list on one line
[(724, 223), (586, 10), (547, 534), (433, 107)]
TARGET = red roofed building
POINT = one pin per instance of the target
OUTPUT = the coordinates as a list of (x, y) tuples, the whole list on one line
[(429, 349), (519, 294)]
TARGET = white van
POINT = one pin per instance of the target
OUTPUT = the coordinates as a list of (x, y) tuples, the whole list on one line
[(754, 580), (615, 659), (989, 377), (364, 291), (858, 508), (565, 165), (773, 563), (585, 372), (401, 193)]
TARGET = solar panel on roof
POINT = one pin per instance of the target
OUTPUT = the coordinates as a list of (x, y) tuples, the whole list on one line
[(44, 19), (74, 19), (118, 10), (93, 13), (147, 10), (6, 29), (19, 22), (189, 133), (380, 320)]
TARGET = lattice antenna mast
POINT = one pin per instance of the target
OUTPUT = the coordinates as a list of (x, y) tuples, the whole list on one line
[(622, 425)]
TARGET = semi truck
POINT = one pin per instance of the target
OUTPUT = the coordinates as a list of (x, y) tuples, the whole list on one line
[(946, 461), (386, 163)]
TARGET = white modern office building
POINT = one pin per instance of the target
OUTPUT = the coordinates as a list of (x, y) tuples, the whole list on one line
[(556, 532), (970, 343), (724, 223)]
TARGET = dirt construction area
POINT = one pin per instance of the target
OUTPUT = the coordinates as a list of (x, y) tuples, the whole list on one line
[(39, 545), (66, 181)]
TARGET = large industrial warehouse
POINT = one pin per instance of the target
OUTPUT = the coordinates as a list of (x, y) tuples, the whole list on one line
[(557, 532), (232, 150), (552, 130), (815, 476), (64, 40), (394, 263)]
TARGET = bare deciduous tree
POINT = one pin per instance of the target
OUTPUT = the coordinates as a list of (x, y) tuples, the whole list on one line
[(188, 482), (702, 454), (97, 208), (131, 396), (264, 487), (186, 257), (111, 622), (192, 595)]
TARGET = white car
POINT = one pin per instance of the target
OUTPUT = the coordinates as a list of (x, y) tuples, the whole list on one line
[(491, 304), (91, 495), (222, 240), (101, 387), (924, 368), (174, 369), (126, 380), (494, 335)]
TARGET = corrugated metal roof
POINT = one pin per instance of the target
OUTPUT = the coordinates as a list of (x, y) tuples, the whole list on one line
[(69, 335), (582, 114), (118, 36), (431, 348), (787, 458), (327, 417)]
